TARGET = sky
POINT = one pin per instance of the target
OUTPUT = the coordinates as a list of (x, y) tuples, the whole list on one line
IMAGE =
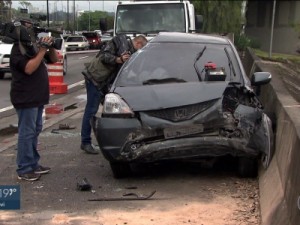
[(61, 5)]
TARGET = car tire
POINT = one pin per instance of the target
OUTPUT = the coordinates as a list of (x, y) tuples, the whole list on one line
[(247, 167), (120, 169), (2, 75), (65, 66)]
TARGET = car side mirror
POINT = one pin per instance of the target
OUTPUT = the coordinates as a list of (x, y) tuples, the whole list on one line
[(260, 78), (198, 23), (103, 24)]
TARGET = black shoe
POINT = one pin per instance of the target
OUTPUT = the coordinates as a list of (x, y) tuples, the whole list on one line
[(90, 149), (32, 176), (42, 170)]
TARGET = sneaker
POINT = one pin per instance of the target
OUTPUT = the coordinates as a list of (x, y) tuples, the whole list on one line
[(90, 149), (29, 176), (42, 170)]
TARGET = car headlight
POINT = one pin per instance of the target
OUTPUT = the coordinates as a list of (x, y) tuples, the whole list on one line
[(114, 104)]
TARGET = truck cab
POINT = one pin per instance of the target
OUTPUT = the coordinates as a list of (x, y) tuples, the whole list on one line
[(151, 17)]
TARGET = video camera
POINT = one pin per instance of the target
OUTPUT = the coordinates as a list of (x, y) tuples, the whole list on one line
[(13, 32)]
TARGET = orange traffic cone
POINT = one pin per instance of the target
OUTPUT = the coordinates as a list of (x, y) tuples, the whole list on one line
[(56, 76)]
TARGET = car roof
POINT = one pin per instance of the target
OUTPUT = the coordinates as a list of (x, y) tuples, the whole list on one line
[(188, 37)]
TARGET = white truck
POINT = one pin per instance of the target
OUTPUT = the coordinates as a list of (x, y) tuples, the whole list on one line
[(151, 17)]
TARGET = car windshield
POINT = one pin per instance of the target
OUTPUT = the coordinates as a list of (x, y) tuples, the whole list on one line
[(174, 62), (74, 39)]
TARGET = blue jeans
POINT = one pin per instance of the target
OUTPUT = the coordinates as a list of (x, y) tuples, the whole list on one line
[(94, 98), (30, 125)]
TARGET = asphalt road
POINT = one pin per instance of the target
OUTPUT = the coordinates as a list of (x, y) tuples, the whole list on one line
[(185, 192)]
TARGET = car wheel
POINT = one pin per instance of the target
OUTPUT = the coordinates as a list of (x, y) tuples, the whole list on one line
[(120, 170), (65, 66), (1, 75), (247, 167)]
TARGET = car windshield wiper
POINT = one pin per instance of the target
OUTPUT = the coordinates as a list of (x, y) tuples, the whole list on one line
[(134, 32), (153, 31), (196, 60), (230, 63), (163, 81)]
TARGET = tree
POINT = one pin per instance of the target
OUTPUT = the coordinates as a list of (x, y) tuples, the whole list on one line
[(220, 16), (25, 4), (83, 20), (5, 10)]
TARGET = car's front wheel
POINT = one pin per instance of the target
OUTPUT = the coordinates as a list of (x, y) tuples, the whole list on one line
[(2, 75), (120, 169), (247, 167)]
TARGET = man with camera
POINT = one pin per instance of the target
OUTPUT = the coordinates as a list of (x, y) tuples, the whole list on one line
[(100, 74), (29, 93)]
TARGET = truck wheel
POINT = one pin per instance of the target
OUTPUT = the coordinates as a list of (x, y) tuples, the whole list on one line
[(120, 169), (247, 167), (1, 75)]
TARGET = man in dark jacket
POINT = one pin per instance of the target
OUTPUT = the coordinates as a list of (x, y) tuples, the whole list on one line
[(29, 93), (99, 74)]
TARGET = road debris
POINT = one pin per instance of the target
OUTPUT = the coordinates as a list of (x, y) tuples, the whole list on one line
[(126, 197), (84, 185)]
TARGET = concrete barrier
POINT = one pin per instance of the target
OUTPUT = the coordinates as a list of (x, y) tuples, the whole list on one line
[(279, 185)]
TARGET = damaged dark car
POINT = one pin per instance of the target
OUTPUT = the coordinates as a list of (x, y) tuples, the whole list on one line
[(182, 97)]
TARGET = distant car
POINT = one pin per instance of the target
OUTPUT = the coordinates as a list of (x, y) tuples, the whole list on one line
[(76, 42), (5, 50), (94, 39), (184, 97)]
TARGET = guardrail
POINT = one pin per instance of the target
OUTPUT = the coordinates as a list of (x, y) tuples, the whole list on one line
[(280, 184)]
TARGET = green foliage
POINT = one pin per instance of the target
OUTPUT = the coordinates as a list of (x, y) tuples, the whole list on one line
[(220, 16), (242, 42), (296, 27), (93, 18)]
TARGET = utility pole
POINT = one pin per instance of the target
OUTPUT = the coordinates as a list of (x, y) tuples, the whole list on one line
[(272, 29), (74, 25), (47, 13), (89, 15), (68, 17)]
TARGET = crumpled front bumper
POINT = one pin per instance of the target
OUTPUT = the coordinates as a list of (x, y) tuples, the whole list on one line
[(126, 139)]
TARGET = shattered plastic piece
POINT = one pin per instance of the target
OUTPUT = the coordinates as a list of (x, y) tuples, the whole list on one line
[(66, 126), (84, 185)]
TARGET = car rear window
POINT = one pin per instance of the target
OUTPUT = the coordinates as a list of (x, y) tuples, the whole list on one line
[(90, 35), (74, 39)]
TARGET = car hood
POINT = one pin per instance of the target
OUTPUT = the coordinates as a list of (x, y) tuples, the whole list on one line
[(152, 97)]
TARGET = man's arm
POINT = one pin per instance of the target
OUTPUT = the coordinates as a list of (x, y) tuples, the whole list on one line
[(111, 57), (53, 55), (35, 62)]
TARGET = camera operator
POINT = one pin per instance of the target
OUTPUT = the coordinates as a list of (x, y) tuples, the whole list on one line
[(29, 93)]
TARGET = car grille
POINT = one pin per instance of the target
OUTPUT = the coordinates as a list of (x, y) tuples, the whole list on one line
[(181, 113)]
